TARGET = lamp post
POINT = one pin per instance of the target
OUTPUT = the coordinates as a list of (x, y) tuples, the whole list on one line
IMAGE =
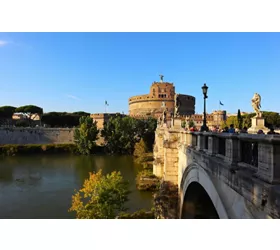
[(204, 126)]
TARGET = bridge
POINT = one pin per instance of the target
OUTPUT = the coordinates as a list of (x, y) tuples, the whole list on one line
[(220, 175)]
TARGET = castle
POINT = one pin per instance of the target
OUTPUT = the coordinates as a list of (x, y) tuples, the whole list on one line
[(161, 96)]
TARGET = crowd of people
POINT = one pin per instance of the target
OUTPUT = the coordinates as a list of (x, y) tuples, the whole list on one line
[(233, 130)]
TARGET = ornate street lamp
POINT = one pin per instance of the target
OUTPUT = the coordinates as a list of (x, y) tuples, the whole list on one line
[(204, 126)]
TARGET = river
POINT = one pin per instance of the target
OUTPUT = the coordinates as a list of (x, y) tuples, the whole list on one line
[(41, 187)]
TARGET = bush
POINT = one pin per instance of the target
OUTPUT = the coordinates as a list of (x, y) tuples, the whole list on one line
[(145, 158), (140, 148), (101, 197), (141, 214)]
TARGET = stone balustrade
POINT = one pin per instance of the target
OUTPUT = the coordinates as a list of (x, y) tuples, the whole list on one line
[(260, 153), (239, 172)]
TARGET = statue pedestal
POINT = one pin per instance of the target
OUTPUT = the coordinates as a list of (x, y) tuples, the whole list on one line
[(257, 124), (176, 123)]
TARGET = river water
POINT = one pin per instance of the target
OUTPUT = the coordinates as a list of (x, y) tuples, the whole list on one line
[(41, 187)]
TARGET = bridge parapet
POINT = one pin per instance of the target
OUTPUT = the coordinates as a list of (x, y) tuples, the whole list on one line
[(260, 153), (243, 167)]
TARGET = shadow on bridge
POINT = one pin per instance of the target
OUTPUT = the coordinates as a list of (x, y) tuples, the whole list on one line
[(197, 204)]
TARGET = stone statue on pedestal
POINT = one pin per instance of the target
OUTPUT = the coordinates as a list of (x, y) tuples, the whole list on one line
[(256, 104), (177, 105), (258, 123)]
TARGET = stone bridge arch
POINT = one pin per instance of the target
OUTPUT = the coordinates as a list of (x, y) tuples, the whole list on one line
[(195, 176)]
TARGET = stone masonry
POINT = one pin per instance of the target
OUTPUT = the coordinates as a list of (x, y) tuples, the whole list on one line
[(221, 164), (36, 136)]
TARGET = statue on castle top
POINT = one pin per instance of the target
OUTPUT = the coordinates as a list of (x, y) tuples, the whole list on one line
[(177, 105), (161, 77), (256, 104)]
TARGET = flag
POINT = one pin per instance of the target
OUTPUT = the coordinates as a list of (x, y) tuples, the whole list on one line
[(221, 103), (106, 103)]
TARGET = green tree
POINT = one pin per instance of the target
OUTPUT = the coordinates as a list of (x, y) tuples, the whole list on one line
[(30, 110), (246, 120), (81, 113), (86, 135), (239, 120), (272, 119), (101, 197), (140, 148), (63, 119), (191, 124), (148, 131), (6, 113), (121, 134)]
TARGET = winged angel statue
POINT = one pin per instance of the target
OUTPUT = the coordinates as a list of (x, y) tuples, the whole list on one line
[(256, 104)]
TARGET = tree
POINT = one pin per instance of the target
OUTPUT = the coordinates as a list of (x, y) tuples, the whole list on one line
[(230, 120), (81, 113), (246, 120), (191, 124), (30, 110), (6, 113), (121, 134), (148, 133), (140, 148), (272, 119), (86, 135), (102, 197), (239, 120)]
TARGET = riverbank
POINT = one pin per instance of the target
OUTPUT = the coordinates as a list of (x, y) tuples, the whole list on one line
[(27, 149), (146, 180)]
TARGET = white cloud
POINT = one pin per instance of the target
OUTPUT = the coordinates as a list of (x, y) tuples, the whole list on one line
[(73, 97), (3, 43)]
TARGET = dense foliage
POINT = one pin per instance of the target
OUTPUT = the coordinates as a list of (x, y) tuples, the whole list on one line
[(121, 134), (86, 135), (63, 119), (29, 109), (191, 124), (272, 119), (101, 197), (140, 148), (7, 111)]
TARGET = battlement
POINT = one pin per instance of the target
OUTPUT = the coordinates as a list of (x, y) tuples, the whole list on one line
[(162, 94)]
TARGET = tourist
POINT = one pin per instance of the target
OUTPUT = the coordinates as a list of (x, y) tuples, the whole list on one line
[(260, 132), (244, 130), (225, 130), (231, 129), (272, 132)]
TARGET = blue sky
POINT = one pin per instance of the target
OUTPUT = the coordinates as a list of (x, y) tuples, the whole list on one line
[(79, 71)]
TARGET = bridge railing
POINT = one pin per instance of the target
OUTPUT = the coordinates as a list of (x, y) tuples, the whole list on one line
[(260, 153)]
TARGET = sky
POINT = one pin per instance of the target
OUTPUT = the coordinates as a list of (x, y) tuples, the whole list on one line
[(79, 71)]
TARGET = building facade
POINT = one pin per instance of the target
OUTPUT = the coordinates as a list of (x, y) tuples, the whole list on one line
[(100, 118), (160, 97), (214, 119)]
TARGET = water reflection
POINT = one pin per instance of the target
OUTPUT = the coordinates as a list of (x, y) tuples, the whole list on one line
[(42, 186)]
